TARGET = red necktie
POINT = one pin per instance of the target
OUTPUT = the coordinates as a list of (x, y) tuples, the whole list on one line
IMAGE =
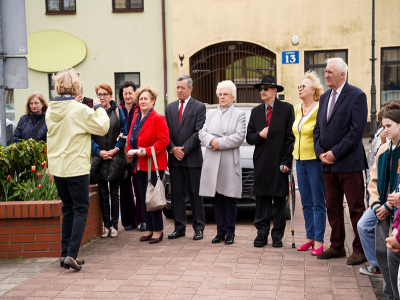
[(180, 111), (269, 113)]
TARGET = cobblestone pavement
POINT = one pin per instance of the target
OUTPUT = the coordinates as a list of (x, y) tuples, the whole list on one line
[(125, 268)]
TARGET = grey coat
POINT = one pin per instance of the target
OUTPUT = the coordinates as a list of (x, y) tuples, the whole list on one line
[(222, 171)]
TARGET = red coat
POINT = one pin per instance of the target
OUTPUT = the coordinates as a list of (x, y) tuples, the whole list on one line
[(154, 132)]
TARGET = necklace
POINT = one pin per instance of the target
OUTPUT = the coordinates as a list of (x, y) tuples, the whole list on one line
[(306, 114)]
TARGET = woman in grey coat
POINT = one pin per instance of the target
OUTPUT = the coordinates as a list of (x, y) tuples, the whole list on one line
[(221, 174)]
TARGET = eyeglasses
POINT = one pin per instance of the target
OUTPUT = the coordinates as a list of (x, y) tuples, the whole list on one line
[(223, 95), (265, 88), (102, 95), (302, 87), (34, 103)]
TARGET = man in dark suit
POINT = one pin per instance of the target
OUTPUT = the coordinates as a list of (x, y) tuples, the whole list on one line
[(270, 130), (185, 117), (341, 120)]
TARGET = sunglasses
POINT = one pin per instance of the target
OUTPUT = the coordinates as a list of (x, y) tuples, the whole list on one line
[(265, 88)]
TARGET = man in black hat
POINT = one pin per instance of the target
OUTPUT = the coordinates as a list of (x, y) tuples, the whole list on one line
[(270, 130)]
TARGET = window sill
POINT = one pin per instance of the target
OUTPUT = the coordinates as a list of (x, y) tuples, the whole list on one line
[(61, 13), (128, 10)]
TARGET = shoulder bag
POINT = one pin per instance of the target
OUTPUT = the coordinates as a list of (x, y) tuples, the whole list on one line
[(155, 195)]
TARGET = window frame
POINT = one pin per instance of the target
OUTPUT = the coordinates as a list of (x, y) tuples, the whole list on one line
[(117, 87), (307, 67), (62, 11), (383, 63), (124, 10)]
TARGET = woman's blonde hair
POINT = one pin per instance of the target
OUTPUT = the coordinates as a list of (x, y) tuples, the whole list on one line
[(40, 97), (67, 82), (146, 88), (315, 83)]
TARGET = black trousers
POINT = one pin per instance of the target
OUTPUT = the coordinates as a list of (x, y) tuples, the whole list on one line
[(181, 176), (262, 218), (225, 212), (74, 194), (105, 196), (153, 219)]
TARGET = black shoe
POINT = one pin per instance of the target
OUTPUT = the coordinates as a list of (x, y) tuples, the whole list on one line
[(261, 240), (198, 235), (277, 243), (229, 240), (218, 239), (177, 234), (79, 262), (69, 263)]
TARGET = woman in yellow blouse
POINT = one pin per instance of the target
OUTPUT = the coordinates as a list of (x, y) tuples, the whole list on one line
[(309, 174)]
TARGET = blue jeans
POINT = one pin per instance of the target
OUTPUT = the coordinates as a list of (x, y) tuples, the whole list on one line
[(312, 192), (366, 231)]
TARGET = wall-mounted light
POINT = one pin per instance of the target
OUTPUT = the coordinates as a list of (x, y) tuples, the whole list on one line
[(295, 40)]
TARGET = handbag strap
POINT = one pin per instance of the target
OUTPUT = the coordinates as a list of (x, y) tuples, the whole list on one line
[(153, 154), (39, 125)]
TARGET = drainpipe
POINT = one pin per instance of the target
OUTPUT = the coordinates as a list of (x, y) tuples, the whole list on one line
[(164, 54)]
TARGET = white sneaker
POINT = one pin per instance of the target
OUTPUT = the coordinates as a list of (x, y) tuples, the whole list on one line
[(105, 233), (371, 271), (114, 232)]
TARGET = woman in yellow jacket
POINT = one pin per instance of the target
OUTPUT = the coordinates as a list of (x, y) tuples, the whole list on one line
[(309, 174)]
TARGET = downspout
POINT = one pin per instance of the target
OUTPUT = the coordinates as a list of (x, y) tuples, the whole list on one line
[(164, 54)]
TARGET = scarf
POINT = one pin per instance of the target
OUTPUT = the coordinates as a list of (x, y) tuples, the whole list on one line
[(136, 127)]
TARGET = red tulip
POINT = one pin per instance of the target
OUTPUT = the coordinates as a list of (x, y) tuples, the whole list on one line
[(43, 164), (9, 178), (39, 186), (51, 180), (37, 174), (33, 168)]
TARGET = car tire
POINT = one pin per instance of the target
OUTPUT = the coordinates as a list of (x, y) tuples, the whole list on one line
[(168, 213), (293, 184)]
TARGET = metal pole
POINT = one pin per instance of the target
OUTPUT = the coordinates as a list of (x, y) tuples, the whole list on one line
[(373, 87), (2, 91)]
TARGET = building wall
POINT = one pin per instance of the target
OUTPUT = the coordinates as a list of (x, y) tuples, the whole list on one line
[(116, 42), (320, 25)]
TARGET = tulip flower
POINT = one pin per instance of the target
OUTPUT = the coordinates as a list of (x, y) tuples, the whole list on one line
[(9, 178), (37, 174), (43, 164), (51, 180), (39, 186), (33, 168)]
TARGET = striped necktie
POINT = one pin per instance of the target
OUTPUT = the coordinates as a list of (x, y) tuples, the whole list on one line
[(269, 114)]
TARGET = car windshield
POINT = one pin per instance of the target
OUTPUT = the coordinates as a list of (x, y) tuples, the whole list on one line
[(247, 110)]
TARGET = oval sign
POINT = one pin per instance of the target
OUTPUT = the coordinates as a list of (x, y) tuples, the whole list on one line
[(51, 51)]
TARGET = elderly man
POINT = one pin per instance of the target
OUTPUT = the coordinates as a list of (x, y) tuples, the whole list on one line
[(270, 130), (338, 144), (185, 118)]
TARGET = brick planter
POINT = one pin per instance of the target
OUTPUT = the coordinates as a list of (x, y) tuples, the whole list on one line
[(33, 228)]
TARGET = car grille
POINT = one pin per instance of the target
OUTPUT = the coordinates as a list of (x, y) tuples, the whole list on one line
[(247, 181)]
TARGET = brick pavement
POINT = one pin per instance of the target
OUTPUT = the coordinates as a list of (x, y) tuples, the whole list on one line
[(124, 268)]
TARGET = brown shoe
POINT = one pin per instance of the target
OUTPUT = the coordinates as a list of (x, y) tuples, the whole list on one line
[(332, 253), (356, 258)]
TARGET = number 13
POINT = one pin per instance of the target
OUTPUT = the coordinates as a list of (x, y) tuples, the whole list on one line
[(292, 59)]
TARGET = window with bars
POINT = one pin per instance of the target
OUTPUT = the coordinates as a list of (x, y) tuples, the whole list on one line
[(390, 74), (120, 78), (316, 60), (57, 7), (127, 5)]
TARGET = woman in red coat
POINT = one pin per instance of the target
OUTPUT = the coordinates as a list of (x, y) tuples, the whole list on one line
[(148, 129)]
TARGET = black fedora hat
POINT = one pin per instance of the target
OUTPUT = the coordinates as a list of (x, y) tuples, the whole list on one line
[(269, 80)]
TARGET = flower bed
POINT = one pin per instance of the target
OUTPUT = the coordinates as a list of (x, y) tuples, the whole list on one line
[(33, 228)]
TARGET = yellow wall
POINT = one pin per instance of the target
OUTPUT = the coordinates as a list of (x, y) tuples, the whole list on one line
[(320, 25), (116, 42)]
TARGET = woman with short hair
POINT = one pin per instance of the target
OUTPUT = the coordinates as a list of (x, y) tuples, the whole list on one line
[(70, 125), (131, 210), (148, 129), (27, 128), (309, 174), (221, 175), (108, 161)]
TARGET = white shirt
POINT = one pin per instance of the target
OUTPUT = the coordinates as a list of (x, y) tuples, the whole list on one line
[(338, 91), (184, 104)]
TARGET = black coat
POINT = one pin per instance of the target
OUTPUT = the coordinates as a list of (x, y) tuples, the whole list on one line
[(26, 127), (274, 151), (186, 133)]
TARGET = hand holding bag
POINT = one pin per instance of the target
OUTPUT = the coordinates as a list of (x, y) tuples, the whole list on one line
[(155, 195)]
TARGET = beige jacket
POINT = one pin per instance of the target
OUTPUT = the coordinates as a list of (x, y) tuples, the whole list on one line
[(70, 125)]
